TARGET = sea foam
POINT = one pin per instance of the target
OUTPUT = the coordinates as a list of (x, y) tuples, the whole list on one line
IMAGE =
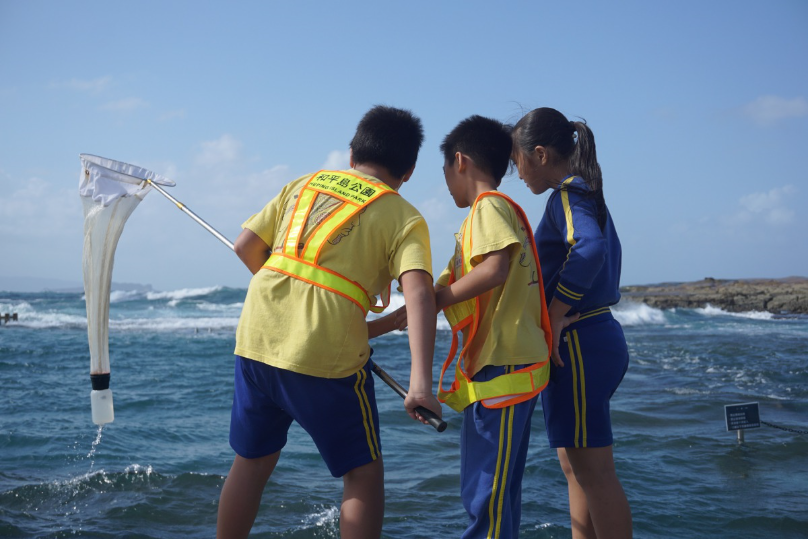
[(10, 306), (33, 319), (172, 323), (709, 310), (182, 293), (205, 306), (630, 313)]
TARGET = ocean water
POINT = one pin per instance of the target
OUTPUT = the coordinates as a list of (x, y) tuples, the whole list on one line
[(157, 470)]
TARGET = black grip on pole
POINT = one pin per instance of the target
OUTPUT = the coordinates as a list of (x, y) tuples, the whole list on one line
[(433, 419), (429, 415)]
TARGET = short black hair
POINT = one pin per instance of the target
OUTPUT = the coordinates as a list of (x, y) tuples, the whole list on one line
[(388, 137), (486, 141)]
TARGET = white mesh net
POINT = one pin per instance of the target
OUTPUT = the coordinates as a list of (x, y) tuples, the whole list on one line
[(110, 191)]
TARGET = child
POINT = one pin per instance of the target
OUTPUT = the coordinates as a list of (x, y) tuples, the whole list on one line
[(580, 254), (320, 251), (491, 291)]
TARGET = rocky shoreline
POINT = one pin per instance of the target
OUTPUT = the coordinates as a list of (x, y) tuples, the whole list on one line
[(777, 296)]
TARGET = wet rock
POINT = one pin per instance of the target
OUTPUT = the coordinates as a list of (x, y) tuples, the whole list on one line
[(778, 296)]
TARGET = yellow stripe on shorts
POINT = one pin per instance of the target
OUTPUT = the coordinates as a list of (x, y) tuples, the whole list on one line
[(505, 471), (583, 384), (360, 379), (370, 414), (569, 339), (499, 483)]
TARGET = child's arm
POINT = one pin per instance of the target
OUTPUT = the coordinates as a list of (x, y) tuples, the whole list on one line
[(252, 250), (488, 274), (397, 320), (421, 315)]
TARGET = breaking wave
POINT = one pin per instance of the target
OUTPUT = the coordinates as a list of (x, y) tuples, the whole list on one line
[(183, 293), (630, 313), (709, 310)]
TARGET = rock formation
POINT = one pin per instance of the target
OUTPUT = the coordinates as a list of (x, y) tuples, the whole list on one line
[(778, 296)]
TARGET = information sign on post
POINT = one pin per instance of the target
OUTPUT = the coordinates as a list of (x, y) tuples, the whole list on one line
[(742, 416)]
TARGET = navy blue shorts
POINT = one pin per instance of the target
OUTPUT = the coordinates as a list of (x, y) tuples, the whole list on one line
[(576, 400), (339, 414), (493, 450)]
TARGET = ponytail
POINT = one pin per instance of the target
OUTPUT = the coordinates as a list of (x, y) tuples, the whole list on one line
[(584, 163), (584, 158)]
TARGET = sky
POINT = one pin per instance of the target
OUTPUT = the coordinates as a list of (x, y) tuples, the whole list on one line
[(699, 110)]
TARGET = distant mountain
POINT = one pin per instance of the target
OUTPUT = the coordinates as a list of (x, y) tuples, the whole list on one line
[(38, 284)]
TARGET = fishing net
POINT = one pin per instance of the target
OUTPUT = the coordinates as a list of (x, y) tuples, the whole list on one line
[(110, 191)]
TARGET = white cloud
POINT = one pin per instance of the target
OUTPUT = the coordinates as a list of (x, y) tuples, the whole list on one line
[(770, 207), (166, 169), (225, 149), (768, 109), (780, 216), (432, 209), (169, 170), (758, 202), (38, 209), (442, 216), (337, 160), (125, 105), (233, 194), (93, 86), (266, 184)]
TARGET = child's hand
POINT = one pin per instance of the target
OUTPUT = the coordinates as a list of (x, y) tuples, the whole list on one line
[(399, 317), (397, 320), (427, 400), (558, 321)]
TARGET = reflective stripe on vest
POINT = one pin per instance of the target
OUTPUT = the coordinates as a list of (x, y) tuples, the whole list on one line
[(301, 263), (507, 389)]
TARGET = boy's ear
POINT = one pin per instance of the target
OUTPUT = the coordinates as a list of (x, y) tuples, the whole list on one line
[(461, 161), (350, 157)]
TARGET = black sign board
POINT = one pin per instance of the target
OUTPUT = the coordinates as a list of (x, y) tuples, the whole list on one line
[(742, 416)]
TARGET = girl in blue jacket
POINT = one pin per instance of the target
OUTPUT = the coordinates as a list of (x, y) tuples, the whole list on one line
[(580, 257)]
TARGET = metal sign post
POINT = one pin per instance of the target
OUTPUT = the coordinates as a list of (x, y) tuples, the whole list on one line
[(742, 416)]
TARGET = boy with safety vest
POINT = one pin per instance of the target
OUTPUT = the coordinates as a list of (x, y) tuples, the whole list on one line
[(320, 252), (492, 293)]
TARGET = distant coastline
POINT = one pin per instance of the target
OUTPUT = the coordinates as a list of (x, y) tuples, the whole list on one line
[(788, 295), (778, 296)]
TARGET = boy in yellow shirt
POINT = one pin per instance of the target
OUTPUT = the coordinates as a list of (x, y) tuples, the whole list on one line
[(320, 252), (491, 291)]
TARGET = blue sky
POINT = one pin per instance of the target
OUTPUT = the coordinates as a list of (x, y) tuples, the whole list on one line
[(700, 112)]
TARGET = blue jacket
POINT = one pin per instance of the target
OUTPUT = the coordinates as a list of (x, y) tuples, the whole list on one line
[(580, 262)]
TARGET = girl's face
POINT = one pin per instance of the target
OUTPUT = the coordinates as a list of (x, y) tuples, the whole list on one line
[(532, 169)]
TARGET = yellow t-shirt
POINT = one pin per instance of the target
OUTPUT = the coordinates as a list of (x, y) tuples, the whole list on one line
[(510, 331), (300, 327)]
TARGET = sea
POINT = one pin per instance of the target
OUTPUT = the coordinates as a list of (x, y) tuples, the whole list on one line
[(158, 469)]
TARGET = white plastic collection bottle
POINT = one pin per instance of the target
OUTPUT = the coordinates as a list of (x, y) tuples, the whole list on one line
[(101, 405)]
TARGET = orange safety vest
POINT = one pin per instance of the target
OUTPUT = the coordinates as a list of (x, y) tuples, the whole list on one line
[(301, 263), (507, 389)]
